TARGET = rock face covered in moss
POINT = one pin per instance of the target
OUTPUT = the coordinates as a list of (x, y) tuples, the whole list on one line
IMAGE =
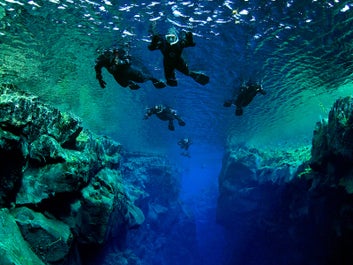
[(279, 211), (59, 183)]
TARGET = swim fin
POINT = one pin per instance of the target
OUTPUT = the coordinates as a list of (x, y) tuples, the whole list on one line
[(159, 84), (133, 85), (200, 78)]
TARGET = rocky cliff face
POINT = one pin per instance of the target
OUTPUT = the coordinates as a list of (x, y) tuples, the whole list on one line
[(168, 235), (293, 207), (60, 185), (70, 197)]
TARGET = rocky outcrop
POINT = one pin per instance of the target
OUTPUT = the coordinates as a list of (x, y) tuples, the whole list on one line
[(249, 177), (293, 207), (168, 235), (332, 151), (13, 248), (62, 182)]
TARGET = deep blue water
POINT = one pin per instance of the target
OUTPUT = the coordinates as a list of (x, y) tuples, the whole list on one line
[(301, 51)]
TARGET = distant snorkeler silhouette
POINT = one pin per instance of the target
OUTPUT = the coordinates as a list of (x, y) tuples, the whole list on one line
[(171, 45), (245, 95), (118, 63), (185, 143), (165, 113)]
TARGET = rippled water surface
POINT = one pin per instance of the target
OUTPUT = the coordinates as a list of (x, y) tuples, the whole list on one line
[(302, 52)]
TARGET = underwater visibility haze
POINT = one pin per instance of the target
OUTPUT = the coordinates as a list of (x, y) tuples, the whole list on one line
[(300, 51)]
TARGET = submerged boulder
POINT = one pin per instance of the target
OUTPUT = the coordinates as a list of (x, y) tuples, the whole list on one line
[(62, 182), (14, 249), (250, 177), (49, 238)]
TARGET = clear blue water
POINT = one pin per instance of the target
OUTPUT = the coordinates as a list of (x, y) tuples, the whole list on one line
[(301, 51)]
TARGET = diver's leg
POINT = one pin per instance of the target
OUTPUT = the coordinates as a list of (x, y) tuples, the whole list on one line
[(181, 122), (238, 111), (227, 103), (171, 125), (157, 83), (169, 73), (128, 77), (140, 76), (122, 82), (198, 77)]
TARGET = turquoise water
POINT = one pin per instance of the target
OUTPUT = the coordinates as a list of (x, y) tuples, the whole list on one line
[(301, 51)]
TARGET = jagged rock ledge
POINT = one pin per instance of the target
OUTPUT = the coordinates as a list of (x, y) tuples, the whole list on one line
[(294, 207), (60, 185)]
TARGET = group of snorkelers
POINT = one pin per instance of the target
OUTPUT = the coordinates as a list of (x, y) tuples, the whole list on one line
[(118, 62)]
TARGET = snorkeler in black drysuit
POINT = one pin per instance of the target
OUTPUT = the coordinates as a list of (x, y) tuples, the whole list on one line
[(118, 63), (184, 143), (244, 96), (165, 113), (171, 46)]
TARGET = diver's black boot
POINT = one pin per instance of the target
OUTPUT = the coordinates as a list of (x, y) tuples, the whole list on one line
[(200, 78), (172, 82), (238, 111), (171, 126), (227, 103), (158, 84), (133, 85), (181, 123)]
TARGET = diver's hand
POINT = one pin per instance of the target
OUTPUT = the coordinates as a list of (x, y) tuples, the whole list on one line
[(156, 42), (189, 39), (102, 83)]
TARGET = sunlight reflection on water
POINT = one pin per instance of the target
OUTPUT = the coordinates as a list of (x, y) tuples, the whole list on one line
[(301, 53)]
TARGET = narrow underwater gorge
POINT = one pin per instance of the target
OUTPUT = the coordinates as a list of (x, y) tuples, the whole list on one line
[(69, 196)]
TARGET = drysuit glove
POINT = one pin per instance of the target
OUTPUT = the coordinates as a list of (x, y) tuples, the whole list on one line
[(102, 83), (155, 42), (189, 39)]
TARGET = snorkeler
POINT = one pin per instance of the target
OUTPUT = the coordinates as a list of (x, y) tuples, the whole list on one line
[(184, 143), (171, 46), (118, 63), (165, 113), (245, 95)]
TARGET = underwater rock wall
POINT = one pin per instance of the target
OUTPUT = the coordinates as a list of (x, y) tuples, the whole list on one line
[(168, 235), (61, 188), (332, 151), (292, 208)]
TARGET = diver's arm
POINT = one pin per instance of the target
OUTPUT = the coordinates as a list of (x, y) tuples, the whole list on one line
[(156, 43), (100, 63), (148, 113), (187, 39)]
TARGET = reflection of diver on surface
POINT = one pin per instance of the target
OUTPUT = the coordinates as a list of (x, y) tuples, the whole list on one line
[(165, 113), (245, 95), (118, 63), (185, 144), (171, 46)]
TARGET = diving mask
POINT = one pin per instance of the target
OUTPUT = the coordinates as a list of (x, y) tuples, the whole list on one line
[(171, 39)]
